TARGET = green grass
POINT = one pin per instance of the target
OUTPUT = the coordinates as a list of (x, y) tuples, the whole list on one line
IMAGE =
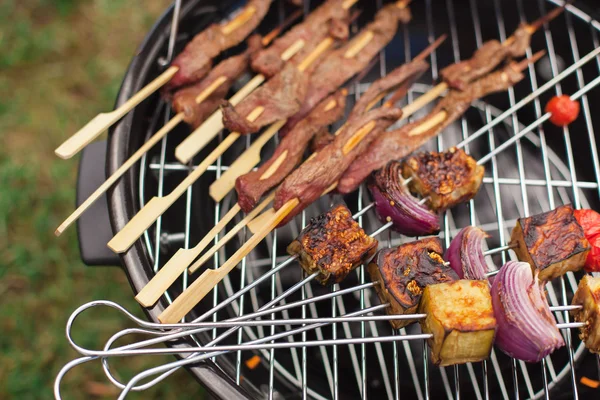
[(61, 63)]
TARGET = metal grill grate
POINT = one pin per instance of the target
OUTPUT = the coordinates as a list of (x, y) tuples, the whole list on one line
[(542, 170)]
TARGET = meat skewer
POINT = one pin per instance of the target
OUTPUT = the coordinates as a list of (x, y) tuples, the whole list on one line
[(157, 206), (191, 65), (192, 105), (299, 37)]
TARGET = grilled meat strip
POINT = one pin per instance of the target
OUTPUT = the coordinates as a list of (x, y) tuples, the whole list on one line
[(553, 242), (404, 272), (281, 97), (195, 60), (184, 100), (393, 145), (253, 185), (446, 179), (332, 244), (486, 59), (329, 19), (336, 68), (308, 182)]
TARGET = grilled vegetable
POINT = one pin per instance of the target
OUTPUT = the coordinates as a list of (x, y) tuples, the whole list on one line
[(552, 243), (588, 296), (461, 319), (332, 244), (590, 222), (465, 254), (446, 179), (526, 328), (564, 110), (402, 274)]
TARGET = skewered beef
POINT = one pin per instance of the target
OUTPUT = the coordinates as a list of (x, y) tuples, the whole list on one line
[(393, 145), (402, 273), (251, 186), (184, 100), (486, 59), (446, 179), (329, 19), (280, 97), (588, 297), (308, 182), (195, 60), (321, 139), (461, 319), (338, 67), (332, 244), (553, 242)]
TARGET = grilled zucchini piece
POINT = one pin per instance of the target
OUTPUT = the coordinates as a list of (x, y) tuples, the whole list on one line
[(402, 274), (333, 244), (588, 296), (552, 242), (461, 319)]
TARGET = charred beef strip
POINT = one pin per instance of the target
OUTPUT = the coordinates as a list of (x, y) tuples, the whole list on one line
[(332, 244), (393, 145), (445, 179), (339, 66), (281, 97), (553, 242), (184, 100), (195, 60), (403, 273), (329, 19), (309, 181), (486, 59), (253, 185)]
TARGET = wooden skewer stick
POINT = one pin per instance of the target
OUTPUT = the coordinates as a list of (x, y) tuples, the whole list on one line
[(211, 277), (124, 239), (103, 121), (205, 133), (134, 158), (167, 275)]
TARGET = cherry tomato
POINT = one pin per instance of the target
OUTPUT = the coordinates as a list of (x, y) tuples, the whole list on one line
[(563, 110), (589, 221)]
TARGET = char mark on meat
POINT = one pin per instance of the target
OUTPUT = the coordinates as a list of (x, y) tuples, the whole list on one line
[(336, 69), (195, 61), (184, 100), (332, 244), (329, 19), (486, 59), (308, 182), (253, 185), (445, 179), (396, 144), (281, 97)]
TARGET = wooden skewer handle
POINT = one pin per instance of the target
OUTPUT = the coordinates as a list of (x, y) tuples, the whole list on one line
[(210, 278), (243, 164), (169, 273), (103, 121)]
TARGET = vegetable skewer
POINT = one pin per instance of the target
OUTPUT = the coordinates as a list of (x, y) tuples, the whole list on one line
[(200, 58)]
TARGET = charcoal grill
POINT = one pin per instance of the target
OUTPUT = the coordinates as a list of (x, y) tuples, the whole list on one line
[(546, 168)]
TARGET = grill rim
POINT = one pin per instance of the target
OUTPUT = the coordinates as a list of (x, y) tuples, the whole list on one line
[(122, 198)]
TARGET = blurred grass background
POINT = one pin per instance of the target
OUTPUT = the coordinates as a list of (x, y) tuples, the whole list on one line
[(61, 63)]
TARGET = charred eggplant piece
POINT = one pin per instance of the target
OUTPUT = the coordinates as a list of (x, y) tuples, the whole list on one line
[(333, 244), (588, 296), (447, 178), (402, 274), (461, 319), (552, 242)]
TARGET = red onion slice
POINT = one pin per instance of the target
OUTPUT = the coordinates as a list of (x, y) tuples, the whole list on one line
[(526, 328), (394, 202), (465, 254)]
